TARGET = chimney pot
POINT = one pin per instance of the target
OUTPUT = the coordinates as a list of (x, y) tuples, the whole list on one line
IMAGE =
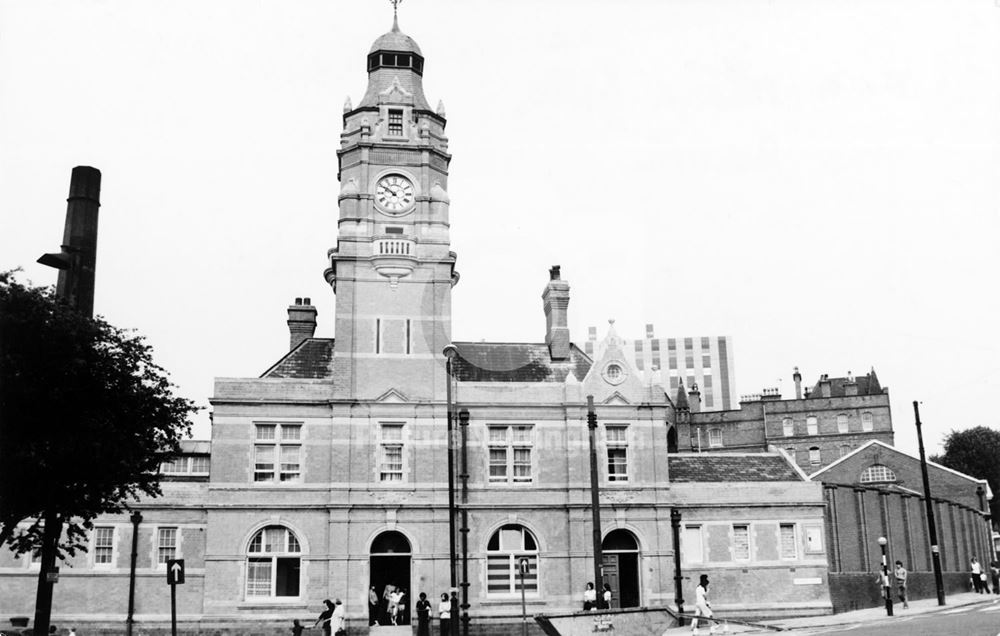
[(554, 272), (307, 301)]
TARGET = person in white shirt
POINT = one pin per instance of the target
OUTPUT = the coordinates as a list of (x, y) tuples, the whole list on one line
[(444, 613), (589, 598), (338, 619), (701, 605)]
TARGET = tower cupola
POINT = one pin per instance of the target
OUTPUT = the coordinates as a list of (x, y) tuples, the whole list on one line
[(395, 59)]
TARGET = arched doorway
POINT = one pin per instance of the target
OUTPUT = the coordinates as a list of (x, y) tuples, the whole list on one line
[(672, 439), (389, 568), (621, 568)]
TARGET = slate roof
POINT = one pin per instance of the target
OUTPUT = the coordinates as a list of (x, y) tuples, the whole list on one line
[(311, 360), (516, 362), (868, 384), (716, 467)]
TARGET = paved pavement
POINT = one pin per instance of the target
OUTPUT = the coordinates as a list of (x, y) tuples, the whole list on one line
[(853, 620)]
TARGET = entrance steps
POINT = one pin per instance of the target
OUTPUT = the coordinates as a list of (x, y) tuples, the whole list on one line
[(391, 630)]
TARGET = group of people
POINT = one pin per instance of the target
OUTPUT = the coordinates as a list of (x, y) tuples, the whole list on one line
[(980, 582), (388, 609), (331, 620), (590, 597)]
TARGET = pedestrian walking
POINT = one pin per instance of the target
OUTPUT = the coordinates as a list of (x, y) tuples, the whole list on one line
[(701, 605), (297, 628), (339, 619), (995, 574), (423, 616), (589, 598), (325, 617), (372, 606), (901, 575), (444, 614), (977, 572)]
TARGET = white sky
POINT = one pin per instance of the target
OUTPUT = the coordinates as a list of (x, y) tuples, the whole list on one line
[(818, 179)]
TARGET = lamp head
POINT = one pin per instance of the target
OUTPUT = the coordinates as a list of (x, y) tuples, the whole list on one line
[(882, 541)]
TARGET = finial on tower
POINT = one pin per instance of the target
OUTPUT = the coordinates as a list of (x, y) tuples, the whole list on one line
[(395, 14)]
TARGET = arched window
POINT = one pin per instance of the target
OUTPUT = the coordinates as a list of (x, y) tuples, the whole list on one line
[(787, 427), (504, 552), (842, 425), (812, 425), (273, 563), (814, 457), (877, 473), (867, 422)]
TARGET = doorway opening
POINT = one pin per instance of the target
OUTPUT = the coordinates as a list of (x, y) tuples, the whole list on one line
[(621, 568), (389, 570)]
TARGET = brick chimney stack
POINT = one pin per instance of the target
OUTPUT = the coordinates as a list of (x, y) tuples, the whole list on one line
[(555, 301), (301, 321), (797, 377), (824, 385), (694, 398)]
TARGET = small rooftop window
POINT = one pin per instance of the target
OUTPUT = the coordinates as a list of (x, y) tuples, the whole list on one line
[(877, 473)]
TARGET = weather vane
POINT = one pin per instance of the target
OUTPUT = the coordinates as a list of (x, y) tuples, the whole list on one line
[(395, 8)]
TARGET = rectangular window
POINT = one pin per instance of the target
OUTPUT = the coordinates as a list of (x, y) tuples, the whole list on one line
[(104, 541), (841, 423), (277, 453), (617, 441), (166, 544), (715, 437), (867, 422), (200, 464), (706, 362), (391, 460), (706, 382), (741, 543), (510, 450), (787, 427), (812, 425), (395, 122), (259, 576), (705, 343), (692, 546), (378, 335), (789, 548), (814, 539), (408, 339)]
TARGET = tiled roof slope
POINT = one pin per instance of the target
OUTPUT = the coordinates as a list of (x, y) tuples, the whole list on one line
[(712, 467), (516, 362), (868, 384), (311, 360)]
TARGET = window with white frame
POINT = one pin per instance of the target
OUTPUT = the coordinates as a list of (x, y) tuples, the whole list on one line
[(391, 452), (787, 541), (842, 425), (274, 559), (741, 542), (787, 427), (617, 444), (166, 544), (867, 422), (715, 437), (104, 545), (278, 453), (812, 425), (693, 544), (506, 548), (510, 449), (814, 456), (187, 465), (877, 473)]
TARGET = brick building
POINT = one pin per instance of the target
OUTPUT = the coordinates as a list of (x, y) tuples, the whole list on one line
[(817, 427), (328, 474)]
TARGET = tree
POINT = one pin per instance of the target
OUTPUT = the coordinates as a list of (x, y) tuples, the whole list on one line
[(86, 418), (975, 452)]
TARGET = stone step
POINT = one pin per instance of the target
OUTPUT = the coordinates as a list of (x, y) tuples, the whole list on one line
[(390, 630)]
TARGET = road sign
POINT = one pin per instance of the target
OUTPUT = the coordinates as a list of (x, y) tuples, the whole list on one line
[(175, 571), (525, 566), (52, 576)]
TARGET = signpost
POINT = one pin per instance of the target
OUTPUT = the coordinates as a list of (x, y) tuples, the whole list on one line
[(524, 567), (175, 577), (52, 575)]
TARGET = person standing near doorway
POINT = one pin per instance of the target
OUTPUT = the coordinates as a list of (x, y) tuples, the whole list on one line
[(372, 606), (423, 616), (901, 574), (589, 598)]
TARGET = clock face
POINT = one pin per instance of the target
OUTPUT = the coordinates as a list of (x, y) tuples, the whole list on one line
[(394, 193)]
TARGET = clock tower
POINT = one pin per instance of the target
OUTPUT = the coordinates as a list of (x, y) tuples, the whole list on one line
[(392, 269)]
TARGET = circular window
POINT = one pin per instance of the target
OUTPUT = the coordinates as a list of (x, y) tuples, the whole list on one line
[(614, 373)]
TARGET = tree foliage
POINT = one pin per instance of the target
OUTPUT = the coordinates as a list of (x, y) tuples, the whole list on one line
[(975, 452), (86, 418)]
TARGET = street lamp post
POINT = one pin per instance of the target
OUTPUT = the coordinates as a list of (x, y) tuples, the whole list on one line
[(886, 589)]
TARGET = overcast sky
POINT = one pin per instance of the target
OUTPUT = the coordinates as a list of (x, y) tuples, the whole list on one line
[(819, 180)]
